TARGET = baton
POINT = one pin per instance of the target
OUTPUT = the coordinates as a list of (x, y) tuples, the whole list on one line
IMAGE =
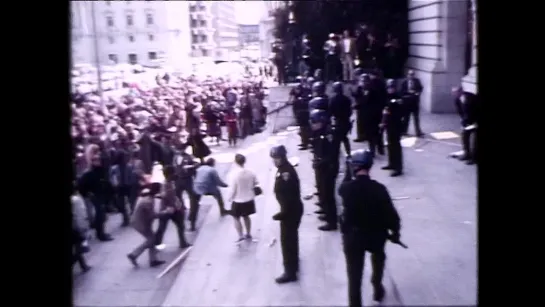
[(398, 242)]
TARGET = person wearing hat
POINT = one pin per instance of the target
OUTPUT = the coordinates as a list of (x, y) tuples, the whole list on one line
[(368, 220), (142, 221)]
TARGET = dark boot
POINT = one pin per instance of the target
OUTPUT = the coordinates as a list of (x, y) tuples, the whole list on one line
[(285, 278)]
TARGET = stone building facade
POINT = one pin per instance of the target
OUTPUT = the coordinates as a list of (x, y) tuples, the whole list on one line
[(438, 36)]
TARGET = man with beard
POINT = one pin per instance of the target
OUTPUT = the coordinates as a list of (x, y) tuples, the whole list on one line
[(93, 185)]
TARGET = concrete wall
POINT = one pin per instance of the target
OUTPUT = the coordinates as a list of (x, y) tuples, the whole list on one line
[(437, 37), (470, 82)]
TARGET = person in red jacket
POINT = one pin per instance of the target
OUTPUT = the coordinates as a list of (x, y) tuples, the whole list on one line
[(231, 120)]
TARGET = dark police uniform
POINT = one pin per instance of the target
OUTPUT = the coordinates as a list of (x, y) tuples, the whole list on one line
[(185, 172), (392, 121), (367, 217), (288, 194), (340, 108), (326, 167), (466, 105), (363, 95), (301, 96)]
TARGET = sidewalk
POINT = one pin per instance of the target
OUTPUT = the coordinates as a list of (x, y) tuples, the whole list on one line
[(437, 204), (218, 273), (114, 282), (438, 209)]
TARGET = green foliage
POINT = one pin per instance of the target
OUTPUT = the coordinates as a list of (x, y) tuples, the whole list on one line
[(281, 16)]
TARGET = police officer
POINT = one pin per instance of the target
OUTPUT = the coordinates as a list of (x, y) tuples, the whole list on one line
[(340, 108), (373, 112), (392, 122), (362, 95), (367, 218), (326, 167), (185, 172), (288, 194), (301, 98)]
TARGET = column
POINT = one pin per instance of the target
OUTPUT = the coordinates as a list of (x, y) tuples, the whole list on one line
[(470, 82)]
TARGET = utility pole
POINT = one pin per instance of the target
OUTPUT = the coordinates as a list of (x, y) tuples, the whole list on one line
[(97, 50)]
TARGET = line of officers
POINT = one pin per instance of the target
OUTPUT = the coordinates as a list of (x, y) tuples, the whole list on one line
[(325, 123), (369, 217)]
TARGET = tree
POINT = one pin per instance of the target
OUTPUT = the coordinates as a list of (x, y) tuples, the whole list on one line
[(281, 19), (318, 18)]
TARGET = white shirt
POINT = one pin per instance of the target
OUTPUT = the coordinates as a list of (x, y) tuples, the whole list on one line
[(242, 185), (346, 43)]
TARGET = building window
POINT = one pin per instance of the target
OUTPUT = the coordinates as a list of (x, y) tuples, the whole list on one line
[(133, 58), (131, 38), (203, 23), (149, 19), (110, 21), (130, 20), (151, 38), (111, 40), (192, 8), (194, 39), (193, 23), (204, 39), (152, 55), (204, 52), (108, 3), (112, 58)]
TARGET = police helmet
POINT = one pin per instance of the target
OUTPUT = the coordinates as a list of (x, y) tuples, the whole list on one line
[(299, 79), (318, 88), (358, 71), (310, 80), (390, 83), (338, 87), (319, 116), (361, 159), (364, 77), (278, 152), (318, 103)]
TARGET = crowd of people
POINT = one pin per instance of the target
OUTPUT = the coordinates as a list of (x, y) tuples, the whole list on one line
[(117, 141)]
